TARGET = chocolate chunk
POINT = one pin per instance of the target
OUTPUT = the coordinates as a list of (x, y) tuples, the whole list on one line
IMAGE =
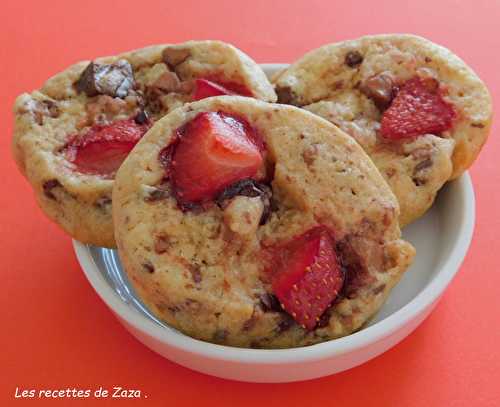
[(162, 244), (141, 117), (353, 58), (285, 95), (103, 202), (379, 289), (148, 266), (356, 275), (419, 181), (246, 187), (168, 82), (269, 302), (285, 324), (48, 186), (422, 165), (114, 80), (478, 125), (250, 188), (41, 109), (175, 56), (156, 195), (46, 108), (380, 89)]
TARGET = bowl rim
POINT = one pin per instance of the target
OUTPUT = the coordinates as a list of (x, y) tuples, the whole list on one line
[(361, 339)]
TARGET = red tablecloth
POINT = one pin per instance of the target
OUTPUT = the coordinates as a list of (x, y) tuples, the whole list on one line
[(56, 332)]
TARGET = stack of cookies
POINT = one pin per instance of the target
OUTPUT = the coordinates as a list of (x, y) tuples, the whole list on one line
[(243, 221)]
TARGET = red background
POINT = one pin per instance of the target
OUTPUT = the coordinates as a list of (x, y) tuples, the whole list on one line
[(56, 332)]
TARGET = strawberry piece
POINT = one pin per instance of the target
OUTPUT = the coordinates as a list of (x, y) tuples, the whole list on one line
[(235, 88), (417, 109), (205, 88), (214, 150), (308, 276), (103, 148)]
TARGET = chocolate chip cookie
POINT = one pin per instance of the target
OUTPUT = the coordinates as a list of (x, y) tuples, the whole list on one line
[(258, 225), (72, 135), (417, 109)]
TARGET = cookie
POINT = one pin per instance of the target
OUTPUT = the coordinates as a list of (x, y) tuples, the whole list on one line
[(417, 109), (71, 135), (259, 225)]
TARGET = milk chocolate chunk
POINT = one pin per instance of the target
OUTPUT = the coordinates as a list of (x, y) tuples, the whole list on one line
[(116, 79)]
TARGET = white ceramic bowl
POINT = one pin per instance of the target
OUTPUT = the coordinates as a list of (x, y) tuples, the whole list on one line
[(441, 238)]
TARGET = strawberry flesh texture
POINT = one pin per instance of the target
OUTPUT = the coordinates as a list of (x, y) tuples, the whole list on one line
[(103, 148), (205, 88), (417, 109), (308, 276), (214, 150)]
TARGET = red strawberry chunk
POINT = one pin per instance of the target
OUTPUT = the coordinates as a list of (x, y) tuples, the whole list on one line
[(103, 148), (417, 109), (308, 276), (205, 88), (214, 151)]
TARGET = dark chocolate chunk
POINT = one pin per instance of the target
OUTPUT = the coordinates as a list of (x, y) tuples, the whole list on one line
[(285, 324), (269, 302), (103, 202), (285, 95), (148, 266), (141, 117), (355, 273), (353, 58), (246, 187), (48, 186), (156, 195), (419, 181), (114, 80), (422, 165), (250, 188)]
